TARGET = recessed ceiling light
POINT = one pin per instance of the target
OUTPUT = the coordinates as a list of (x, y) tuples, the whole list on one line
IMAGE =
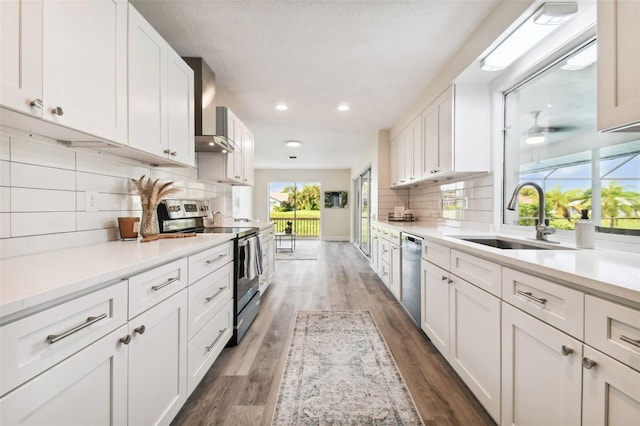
[(343, 108), (282, 107), (293, 144)]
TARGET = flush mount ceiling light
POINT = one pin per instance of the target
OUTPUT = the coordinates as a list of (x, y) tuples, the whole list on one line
[(546, 19), (293, 143), (343, 107), (282, 107), (582, 59)]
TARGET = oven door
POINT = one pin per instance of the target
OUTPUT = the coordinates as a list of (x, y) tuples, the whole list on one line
[(248, 269)]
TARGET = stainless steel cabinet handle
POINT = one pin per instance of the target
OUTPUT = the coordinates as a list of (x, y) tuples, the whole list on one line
[(167, 151), (566, 351), (163, 285), (126, 339), (57, 111), (220, 290), (52, 338), (528, 295), (630, 341), (173, 153), (588, 363), (37, 103), (449, 281), (444, 278), (210, 261), (237, 177), (140, 330), (211, 346)]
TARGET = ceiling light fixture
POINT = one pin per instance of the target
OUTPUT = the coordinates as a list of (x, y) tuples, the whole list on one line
[(535, 134), (293, 143), (282, 107), (582, 59), (544, 20), (343, 108)]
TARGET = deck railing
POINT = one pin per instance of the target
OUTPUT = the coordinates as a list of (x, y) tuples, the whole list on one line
[(302, 227)]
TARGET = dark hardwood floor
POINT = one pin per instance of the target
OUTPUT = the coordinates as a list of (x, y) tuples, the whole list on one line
[(242, 386)]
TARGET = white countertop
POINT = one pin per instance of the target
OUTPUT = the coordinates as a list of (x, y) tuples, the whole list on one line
[(31, 280), (604, 271)]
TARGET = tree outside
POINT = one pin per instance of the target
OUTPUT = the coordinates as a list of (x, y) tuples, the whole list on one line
[(298, 203)]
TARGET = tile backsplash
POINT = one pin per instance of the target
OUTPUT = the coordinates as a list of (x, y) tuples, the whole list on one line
[(44, 187), (468, 200)]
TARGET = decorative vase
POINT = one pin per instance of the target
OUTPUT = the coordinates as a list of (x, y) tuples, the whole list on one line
[(149, 222)]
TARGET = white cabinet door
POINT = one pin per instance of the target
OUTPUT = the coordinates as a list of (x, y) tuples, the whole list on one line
[(21, 55), (237, 154), (474, 317), (88, 388), (247, 157), (416, 150), (272, 260), (435, 306), (180, 113), (611, 391), (429, 140), (618, 64), (395, 278), (445, 132), (85, 66), (147, 82), (541, 372), (158, 362)]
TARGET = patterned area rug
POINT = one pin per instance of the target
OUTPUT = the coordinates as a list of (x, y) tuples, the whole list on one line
[(339, 371)]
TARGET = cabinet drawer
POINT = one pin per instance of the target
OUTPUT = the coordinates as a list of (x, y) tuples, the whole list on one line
[(205, 347), (484, 274), (394, 236), (37, 342), (151, 287), (386, 251), (209, 260), (614, 329), (436, 254), (384, 232), (267, 234), (553, 303), (384, 273), (208, 295)]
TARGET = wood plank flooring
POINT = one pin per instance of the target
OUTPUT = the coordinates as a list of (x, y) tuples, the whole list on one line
[(242, 386)]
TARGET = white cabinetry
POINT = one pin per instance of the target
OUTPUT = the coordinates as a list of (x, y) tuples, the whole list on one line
[(386, 257), (541, 372), (395, 263), (618, 65), (463, 320), (66, 62), (268, 258), (406, 155), (247, 157), (456, 132), (161, 116)]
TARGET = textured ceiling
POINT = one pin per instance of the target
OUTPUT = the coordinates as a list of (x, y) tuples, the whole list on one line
[(375, 56)]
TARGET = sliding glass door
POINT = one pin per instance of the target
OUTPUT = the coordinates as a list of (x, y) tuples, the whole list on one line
[(362, 212), (295, 206)]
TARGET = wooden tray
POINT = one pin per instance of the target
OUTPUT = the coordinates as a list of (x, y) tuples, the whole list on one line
[(167, 236)]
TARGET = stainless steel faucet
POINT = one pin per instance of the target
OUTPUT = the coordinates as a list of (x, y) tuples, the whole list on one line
[(542, 228)]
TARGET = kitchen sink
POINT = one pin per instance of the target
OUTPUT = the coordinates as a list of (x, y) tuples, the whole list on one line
[(511, 244)]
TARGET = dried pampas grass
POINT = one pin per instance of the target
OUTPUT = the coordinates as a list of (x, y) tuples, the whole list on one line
[(151, 192)]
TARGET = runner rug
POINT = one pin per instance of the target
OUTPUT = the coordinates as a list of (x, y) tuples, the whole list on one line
[(339, 371)]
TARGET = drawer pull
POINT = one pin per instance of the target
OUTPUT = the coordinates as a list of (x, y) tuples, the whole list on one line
[(52, 338), (220, 290), (630, 341), (126, 339), (566, 351), (588, 363), (210, 261), (444, 278), (220, 333), (528, 295), (140, 330), (163, 285)]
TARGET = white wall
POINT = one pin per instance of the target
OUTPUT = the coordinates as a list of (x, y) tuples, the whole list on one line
[(43, 187), (335, 224)]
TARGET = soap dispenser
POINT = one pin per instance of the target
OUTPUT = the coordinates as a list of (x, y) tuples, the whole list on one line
[(585, 231)]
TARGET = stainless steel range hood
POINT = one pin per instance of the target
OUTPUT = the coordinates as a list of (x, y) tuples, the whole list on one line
[(209, 137)]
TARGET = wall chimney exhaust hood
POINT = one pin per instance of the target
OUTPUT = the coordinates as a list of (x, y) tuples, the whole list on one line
[(209, 137)]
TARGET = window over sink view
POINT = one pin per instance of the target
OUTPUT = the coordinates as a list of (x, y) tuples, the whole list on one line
[(551, 140)]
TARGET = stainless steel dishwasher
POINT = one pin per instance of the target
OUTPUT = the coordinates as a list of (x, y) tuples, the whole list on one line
[(411, 288)]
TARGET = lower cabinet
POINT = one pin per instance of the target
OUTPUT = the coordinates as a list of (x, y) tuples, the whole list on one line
[(541, 372), (611, 391), (435, 306), (158, 362), (395, 266), (88, 388), (268, 259)]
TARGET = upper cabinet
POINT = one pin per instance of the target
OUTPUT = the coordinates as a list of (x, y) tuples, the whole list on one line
[(247, 157), (66, 62), (456, 132), (161, 116), (619, 65), (451, 138)]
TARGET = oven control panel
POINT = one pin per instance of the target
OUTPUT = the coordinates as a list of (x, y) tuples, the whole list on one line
[(179, 209)]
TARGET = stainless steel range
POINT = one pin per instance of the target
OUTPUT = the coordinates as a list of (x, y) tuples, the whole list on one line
[(187, 216)]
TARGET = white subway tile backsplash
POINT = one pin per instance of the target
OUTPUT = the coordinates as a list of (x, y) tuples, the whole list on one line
[(11, 247), (102, 220), (103, 183), (23, 224), (5, 173), (5, 147), (103, 165), (5, 199), (30, 176), (5, 226), (109, 202), (42, 200), (42, 153)]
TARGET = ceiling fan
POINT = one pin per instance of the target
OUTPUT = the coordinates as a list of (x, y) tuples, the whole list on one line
[(536, 133)]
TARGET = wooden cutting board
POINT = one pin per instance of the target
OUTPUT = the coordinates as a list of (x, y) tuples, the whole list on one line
[(166, 236)]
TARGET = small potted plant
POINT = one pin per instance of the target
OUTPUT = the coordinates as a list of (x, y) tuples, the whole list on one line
[(288, 228)]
